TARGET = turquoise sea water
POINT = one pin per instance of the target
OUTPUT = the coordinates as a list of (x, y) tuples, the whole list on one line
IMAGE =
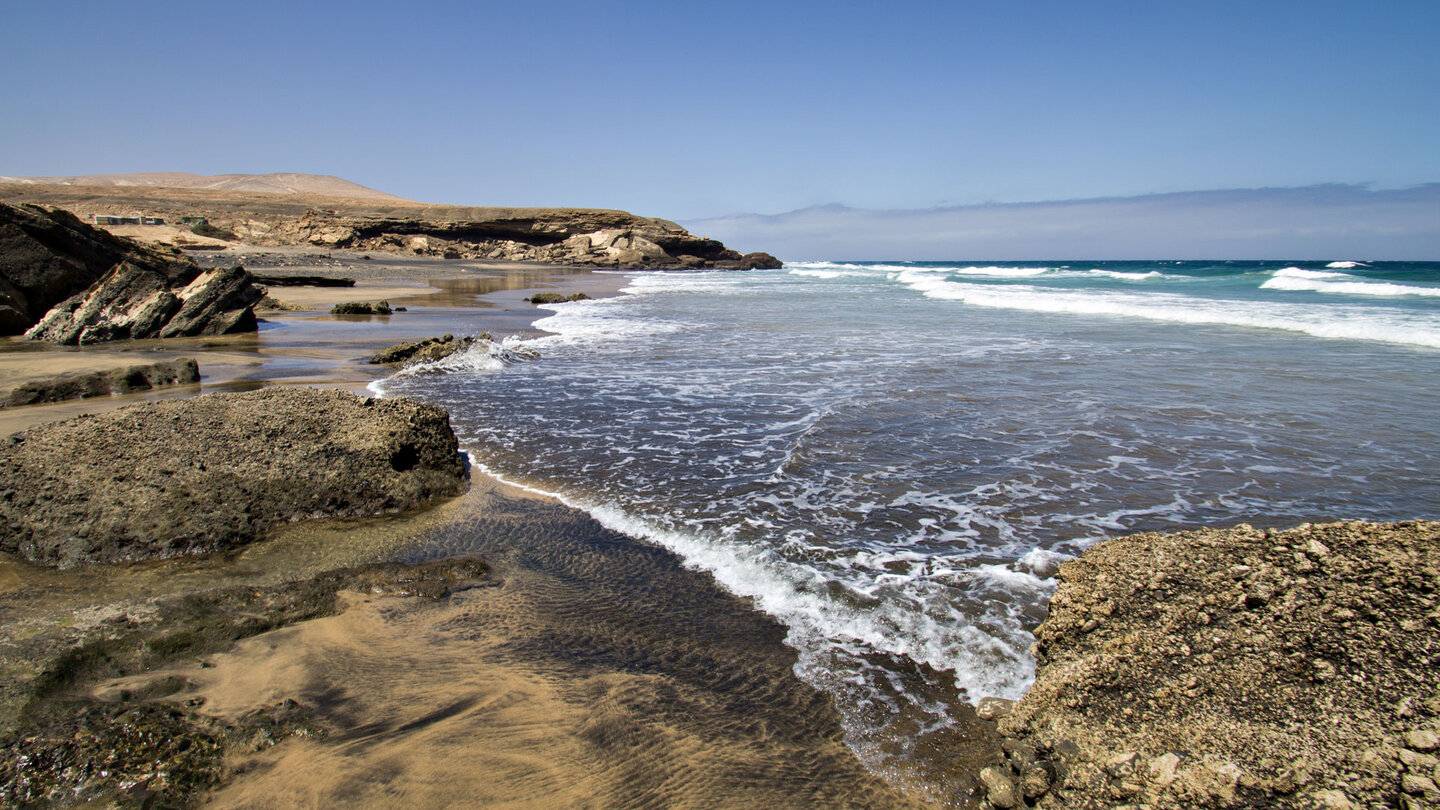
[(892, 458)]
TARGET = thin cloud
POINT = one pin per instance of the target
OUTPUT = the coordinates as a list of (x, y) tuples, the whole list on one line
[(1312, 222)]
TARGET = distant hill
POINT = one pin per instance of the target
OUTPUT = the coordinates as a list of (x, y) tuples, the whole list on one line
[(307, 184)]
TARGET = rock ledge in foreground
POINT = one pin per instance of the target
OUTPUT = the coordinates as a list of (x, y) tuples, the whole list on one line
[(1236, 668), (216, 471)]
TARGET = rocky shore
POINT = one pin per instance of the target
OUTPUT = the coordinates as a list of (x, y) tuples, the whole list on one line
[(213, 472), (1235, 668)]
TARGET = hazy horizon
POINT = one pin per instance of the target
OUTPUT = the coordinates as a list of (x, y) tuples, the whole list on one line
[(1314, 223)]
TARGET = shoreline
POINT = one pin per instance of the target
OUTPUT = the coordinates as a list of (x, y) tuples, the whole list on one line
[(310, 346), (526, 691), (588, 648)]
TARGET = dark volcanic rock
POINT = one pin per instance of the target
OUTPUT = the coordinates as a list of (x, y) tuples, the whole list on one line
[(133, 302), (1237, 668), (422, 350), (556, 298), (361, 308), (430, 351), (104, 383), (760, 261), (47, 256), (305, 281), (216, 471)]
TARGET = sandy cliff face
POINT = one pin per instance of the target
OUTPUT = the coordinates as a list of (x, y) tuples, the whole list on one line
[(570, 236)]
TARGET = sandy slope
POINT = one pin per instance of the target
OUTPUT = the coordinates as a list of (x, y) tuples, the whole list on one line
[(279, 183)]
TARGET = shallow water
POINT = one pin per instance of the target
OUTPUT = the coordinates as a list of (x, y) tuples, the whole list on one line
[(891, 460)]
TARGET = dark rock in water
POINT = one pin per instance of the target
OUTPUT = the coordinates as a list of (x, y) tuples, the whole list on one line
[(423, 350), (216, 471), (305, 281), (556, 298), (361, 308), (104, 383), (432, 350), (48, 256), (760, 261), (133, 301)]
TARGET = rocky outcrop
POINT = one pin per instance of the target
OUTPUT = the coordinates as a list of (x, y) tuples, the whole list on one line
[(477, 351), (216, 471), (540, 299), (427, 350), (593, 238), (47, 256), (133, 302), (362, 308), (1235, 668), (104, 383), (586, 237)]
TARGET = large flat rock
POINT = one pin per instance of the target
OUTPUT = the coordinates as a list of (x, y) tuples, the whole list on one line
[(216, 471)]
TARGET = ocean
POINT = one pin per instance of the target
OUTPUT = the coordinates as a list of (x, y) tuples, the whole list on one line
[(892, 459)]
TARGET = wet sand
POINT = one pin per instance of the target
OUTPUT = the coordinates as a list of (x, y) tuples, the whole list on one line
[(594, 671)]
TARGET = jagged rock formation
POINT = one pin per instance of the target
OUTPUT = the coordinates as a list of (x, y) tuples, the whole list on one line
[(132, 302), (67, 282), (1236, 668), (46, 256), (212, 472), (104, 383)]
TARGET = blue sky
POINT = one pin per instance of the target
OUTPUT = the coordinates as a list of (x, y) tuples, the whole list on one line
[(691, 111)]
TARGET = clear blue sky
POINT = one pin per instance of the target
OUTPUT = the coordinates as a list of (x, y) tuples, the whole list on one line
[(691, 110)]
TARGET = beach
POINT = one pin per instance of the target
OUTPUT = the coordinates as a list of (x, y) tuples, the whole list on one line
[(791, 537), (586, 669)]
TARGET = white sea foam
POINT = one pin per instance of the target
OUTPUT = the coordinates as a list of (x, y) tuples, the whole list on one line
[(1124, 276), (1001, 272), (480, 357), (858, 269), (1294, 278), (986, 657), (1346, 265), (713, 282), (827, 274), (603, 320), (1333, 322)]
